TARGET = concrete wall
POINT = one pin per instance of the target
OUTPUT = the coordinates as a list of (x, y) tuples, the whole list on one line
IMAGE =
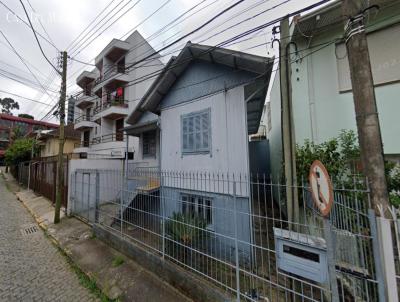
[(108, 186)]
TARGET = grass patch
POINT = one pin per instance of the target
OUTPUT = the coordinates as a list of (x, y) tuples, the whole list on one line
[(117, 261), (84, 279)]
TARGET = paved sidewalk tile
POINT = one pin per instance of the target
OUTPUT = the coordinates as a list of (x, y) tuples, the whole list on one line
[(31, 268)]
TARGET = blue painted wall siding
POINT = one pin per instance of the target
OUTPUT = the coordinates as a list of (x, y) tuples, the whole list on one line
[(202, 78)]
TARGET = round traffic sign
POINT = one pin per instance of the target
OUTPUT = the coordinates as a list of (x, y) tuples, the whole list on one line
[(321, 187)]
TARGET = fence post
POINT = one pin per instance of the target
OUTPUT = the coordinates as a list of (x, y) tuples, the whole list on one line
[(75, 197), (97, 197), (330, 250), (376, 253), (162, 216), (386, 255), (29, 174), (236, 244), (121, 203)]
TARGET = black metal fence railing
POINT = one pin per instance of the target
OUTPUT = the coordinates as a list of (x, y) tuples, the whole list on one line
[(112, 137), (107, 104), (83, 118), (110, 72)]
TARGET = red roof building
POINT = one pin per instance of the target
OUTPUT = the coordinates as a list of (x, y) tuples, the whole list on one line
[(11, 126)]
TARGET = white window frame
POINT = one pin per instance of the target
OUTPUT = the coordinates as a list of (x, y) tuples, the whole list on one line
[(195, 150), (195, 206)]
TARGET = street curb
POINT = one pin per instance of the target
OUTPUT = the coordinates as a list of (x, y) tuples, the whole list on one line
[(36, 217)]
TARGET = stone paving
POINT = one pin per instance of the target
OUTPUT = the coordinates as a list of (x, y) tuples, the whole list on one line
[(31, 268)]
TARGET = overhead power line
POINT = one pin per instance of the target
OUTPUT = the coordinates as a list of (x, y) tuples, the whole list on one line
[(40, 22), (164, 29), (90, 23), (23, 61), (90, 32), (27, 24), (83, 45), (23, 97), (37, 40)]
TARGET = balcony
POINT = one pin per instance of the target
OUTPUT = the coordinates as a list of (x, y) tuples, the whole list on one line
[(81, 147), (85, 78), (85, 100), (84, 122), (107, 138), (113, 51), (114, 76), (112, 109)]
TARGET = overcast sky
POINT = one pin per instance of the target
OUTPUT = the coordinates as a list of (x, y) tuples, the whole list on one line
[(64, 21)]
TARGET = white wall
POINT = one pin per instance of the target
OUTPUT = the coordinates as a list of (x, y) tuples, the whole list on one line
[(101, 164), (229, 149)]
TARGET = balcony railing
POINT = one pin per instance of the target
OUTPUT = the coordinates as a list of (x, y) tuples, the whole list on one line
[(83, 118), (83, 144), (110, 72), (109, 103), (112, 137)]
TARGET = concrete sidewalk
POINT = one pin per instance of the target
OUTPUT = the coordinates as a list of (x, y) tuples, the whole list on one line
[(116, 275)]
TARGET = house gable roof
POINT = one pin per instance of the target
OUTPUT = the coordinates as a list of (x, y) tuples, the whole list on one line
[(177, 65)]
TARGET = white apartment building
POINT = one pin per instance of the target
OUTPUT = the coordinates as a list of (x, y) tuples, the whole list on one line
[(110, 92)]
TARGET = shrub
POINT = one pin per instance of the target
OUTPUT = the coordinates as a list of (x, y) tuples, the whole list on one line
[(340, 156)]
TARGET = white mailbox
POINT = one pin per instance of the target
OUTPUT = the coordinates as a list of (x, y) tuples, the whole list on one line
[(302, 255)]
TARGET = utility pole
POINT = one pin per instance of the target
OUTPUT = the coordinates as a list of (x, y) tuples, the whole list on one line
[(369, 133), (288, 138), (60, 168)]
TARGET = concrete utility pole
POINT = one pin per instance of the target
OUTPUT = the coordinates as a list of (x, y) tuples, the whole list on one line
[(369, 133), (60, 167), (288, 141)]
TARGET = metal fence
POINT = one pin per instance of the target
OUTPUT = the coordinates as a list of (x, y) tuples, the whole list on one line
[(40, 175), (232, 230)]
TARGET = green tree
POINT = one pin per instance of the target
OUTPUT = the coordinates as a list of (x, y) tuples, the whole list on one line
[(16, 133), (19, 151), (25, 115), (8, 104)]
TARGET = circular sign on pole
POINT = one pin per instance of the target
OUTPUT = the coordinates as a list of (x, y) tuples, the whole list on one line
[(321, 187)]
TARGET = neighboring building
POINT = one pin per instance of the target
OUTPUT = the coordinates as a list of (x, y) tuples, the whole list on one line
[(49, 141), (12, 127), (71, 110), (109, 94), (197, 117), (321, 87)]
